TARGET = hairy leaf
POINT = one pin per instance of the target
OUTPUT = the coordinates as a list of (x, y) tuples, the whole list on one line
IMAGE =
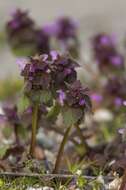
[(71, 115)]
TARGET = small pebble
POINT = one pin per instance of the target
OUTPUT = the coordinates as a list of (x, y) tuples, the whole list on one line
[(40, 188), (48, 188)]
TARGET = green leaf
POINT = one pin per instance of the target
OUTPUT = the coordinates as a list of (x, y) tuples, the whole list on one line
[(24, 51), (9, 88), (34, 97), (22, 131), (81, 182), (71, 115), (23, 104), (53, 113), (45, 96), (3, 150), (7, 131), (2, 182)]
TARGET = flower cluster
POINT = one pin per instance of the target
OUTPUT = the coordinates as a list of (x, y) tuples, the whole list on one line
[(20, 20), (20, 28), (36, 73), (116, 89), (66, 33), (55, 73), (62, 70), (11, 115), (106, 54), (48, 71), (22, 32), (64, 29), (75, 96)]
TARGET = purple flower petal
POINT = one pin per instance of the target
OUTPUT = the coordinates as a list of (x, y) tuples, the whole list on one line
[(118, 101), (116, 60), (54, 55), (50, 29), (21, 62), (61, 96), (15, 24), (67, 71), (97, 97), (2, 118), (81, 102), (105, 40), (44, 57)]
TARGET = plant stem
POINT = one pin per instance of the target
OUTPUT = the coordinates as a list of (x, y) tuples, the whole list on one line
[(17, 140), (61, 149), (34, 128), (57, 130), (86, 147)]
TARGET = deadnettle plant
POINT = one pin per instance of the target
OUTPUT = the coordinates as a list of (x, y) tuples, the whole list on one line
[(106, 54), (65, 29), (62, 70), (51, 80), (21, 30), (24, 36), (75, 97), (67, 35), (116, 90), (37, 78), (74, 101), (11, 116)]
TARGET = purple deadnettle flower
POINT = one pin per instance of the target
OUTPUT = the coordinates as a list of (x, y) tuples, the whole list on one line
[(77, 96), (82, 102), (118, 101), (2, 119), (20, 20), (96, 97), (21, 30), (106, 53), (49, 71), (116, 87), (102, 42), (66, 34), (105, 40), (21, 62), (117, 60), (61, 96), (65, 28), (11, 115), (37, 73), (62, 70), (54, 55), (51, 29)]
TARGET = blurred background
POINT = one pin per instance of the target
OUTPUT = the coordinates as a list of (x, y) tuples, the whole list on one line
[(94, 16)]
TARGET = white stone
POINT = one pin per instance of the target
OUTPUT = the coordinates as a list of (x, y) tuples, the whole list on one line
[(79, 172), (102, 115), (47, 188)]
